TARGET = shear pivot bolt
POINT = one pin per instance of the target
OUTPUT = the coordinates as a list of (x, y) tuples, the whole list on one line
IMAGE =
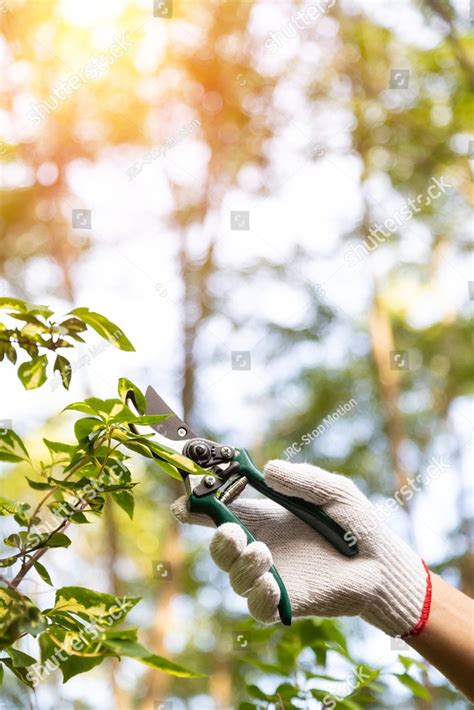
[(209, 481)]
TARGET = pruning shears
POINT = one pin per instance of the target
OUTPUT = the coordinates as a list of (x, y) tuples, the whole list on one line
[(230, 469)]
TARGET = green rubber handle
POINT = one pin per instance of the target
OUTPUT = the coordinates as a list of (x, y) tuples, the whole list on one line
[(344, 541), (211, 506)]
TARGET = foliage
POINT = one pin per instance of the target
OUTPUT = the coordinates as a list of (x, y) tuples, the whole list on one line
[(297, 659), (80, 630), (40, 333)]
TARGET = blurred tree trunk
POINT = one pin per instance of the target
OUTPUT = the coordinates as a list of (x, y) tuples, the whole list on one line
[(164, 621), (195, 308), (111, 545), (381, 334)]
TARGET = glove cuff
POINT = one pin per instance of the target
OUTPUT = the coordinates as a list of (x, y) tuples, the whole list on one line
[(426, 608), (402, 602)]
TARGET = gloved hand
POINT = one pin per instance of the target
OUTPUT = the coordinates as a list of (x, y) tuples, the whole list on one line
[(386, 583)]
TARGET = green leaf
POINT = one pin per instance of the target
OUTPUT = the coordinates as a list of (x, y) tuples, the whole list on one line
[(347, 704), (105, 328), (414, 686), (20, 672), (7, 507), (15, 539), (34, 325), (63, 366), (33, 373), (84, 427), (110, 409), (255, 692), (58, 540), (286, 691), (73, 325), (70, 663), (148, 419), (151, 449), (126, 387), (408, 662), (43, 572), (11, 353), (12, 447), (132, 649), (170, 470), (107, 409), (24, 540), (19, 658), (74, 665), (63, 509), (8, 561), (58, 447), (18, 615), (81, 407), (14, 303), (44, 311), (39, 485), (125, 500), (98, 606)]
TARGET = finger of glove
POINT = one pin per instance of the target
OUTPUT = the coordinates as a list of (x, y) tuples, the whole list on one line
[(253, 513), (227, 544), (263, 599), (230, 552), (312, 483), (252, 563), (180, 511)]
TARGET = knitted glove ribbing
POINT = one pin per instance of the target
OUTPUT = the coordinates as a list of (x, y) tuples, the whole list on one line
[(386, 583)]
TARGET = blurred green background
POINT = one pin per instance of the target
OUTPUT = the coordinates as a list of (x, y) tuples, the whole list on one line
[(207, 175)]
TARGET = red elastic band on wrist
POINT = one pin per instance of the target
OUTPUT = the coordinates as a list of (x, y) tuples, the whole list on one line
[(425, 612)]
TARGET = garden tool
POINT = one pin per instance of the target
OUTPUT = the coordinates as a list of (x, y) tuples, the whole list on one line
[(230, 469)]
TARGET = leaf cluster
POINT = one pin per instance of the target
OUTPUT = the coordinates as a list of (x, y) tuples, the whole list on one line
[(38, 335), (73, 483)]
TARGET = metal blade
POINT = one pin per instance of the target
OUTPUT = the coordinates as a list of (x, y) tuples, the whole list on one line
[(173, 428)]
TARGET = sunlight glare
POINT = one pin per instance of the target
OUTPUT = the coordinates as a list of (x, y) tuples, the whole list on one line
[(88, 12)]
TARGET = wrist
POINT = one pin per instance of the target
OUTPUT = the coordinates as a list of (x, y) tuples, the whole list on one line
[(426, 608), (446, 640)]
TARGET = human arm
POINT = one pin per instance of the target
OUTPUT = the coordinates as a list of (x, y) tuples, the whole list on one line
[(386, 583), (447, 640)]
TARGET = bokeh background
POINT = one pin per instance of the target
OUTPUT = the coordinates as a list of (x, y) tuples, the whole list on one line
[(202, 173)]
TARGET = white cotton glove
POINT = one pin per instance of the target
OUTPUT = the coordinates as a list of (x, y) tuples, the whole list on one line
[(386, 583)]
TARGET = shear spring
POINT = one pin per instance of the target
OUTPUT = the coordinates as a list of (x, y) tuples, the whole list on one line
[(234, 490)]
